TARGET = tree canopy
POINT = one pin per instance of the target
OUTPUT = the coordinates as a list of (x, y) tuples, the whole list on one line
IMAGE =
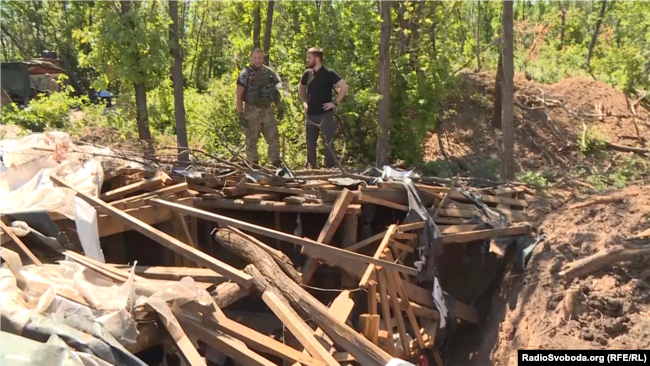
[(115, 45)]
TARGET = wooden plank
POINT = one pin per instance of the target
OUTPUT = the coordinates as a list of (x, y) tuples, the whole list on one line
[(160, 192), (374, 328), (227, 345), (181, 340), (256, 340), (409, 311), (372, 299), (457, 229), (20, 244), (514, 215), (385, 309), (384, 243), (258, 197), (284, 190), (174, 273), (313, 245), (365, 198), (296, 326), (455, 212), (489, 199), (484, 234), (328, 231), (411, 227), (401, 247), (364, 325), (397, 310), (273, 206), (166, 240), (235, 191), (108, 225), (315, 184), (143, 185), (405, 236), (365, 242), (340, 309)]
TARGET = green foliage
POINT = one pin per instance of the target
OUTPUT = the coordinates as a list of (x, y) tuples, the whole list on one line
[(630, 169), (591, 141), (536, 179), (488, 169), (44, 113), (439, 168)]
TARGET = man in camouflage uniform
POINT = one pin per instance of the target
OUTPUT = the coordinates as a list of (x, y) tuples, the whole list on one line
[(257, 89)]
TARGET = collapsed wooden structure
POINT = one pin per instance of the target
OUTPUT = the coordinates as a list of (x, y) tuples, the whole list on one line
[(397, 316)]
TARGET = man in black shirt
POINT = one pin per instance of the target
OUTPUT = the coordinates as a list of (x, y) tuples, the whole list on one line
[(319, 81)]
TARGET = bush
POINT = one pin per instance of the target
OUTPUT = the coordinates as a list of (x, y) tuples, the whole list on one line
[(533, 178), (440, 168), (591, 141), (47, 112)]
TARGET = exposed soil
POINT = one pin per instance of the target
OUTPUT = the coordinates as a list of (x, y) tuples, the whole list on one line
[(466, 133), (612, 308)]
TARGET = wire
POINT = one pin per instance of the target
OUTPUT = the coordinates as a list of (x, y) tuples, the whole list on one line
[(331, 289)]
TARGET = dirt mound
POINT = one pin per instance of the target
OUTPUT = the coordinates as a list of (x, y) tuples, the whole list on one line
[(611, 306), (543, 136)]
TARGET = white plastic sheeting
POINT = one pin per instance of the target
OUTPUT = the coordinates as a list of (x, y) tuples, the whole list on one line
[(25, 181), (112, 305)]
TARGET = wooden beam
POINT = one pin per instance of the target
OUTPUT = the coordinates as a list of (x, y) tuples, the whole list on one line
[(256, 340), (328, 231), (457, 229), (166, 240), (142, 185), (385, 308), (378, 253), (405, 236), (297, 327), (20, 244), (372, 299), (484, 234), (308, 243), (411, 227), (284, 190), (366, 242), (181, 340), (226, 345), (401, 247), (174, 273), (365, 198), (273, 206), (401, 327), (409, 311), (160, 192), (258, 197)]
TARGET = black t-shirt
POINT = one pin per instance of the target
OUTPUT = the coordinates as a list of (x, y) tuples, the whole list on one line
[(319, 91)]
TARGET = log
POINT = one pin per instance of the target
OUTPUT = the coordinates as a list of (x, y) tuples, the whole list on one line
[(230, 292), (363, 350), (642, 234), (280, 258), (569, 303), (602, 259), (597, 201)]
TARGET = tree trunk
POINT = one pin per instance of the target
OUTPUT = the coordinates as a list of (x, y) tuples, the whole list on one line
[(177, 80), (268, 29), (507, 103), (383, 145), (496, 110), (594, 37), (478, 35), (257, 26), (562, 23), (402, 24), (415, 36), (198, 42), (143, 118)]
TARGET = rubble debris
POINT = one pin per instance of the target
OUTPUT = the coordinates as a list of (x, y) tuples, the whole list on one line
[(185, 299)]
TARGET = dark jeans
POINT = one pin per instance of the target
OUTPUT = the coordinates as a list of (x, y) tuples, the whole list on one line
[(328, 129)]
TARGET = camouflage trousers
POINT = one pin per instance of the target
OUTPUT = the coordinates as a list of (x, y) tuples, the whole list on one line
[(261, 120)]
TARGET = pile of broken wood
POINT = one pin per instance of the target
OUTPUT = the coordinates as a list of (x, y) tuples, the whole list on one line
[(400, 318)]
